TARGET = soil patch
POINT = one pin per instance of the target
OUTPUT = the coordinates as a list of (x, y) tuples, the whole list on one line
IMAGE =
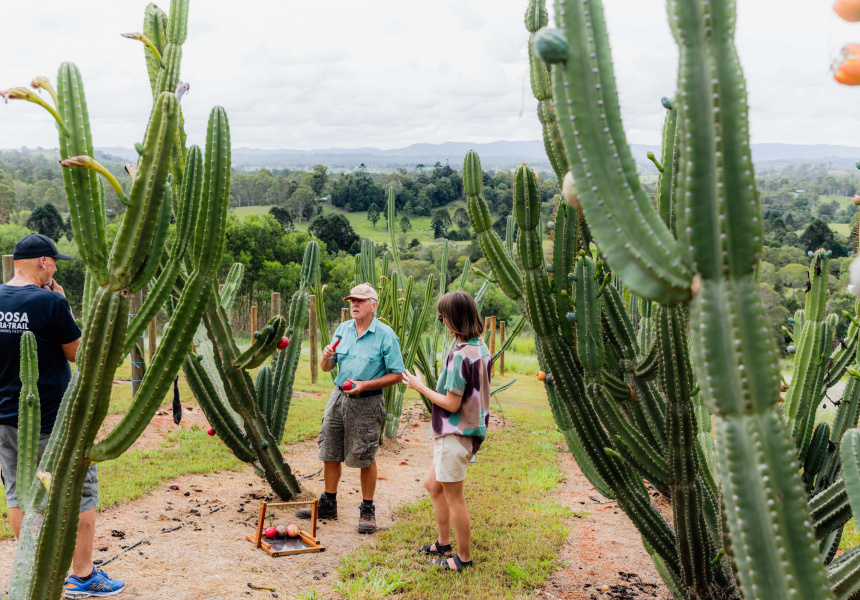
[(604, 558)]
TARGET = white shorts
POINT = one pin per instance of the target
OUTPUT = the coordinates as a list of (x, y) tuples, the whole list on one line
[(450, 459)]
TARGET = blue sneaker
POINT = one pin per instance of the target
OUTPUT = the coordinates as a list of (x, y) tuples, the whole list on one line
[(98, 585)]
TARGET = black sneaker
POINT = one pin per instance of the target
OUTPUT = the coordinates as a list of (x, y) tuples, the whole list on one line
[(366, 519), (326, 509)]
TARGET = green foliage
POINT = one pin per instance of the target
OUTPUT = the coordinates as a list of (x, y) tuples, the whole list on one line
[(373, 214), (335, 231), (282, 216), (46, 220)]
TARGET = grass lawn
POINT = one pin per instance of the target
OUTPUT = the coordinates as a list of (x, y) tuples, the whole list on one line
[(517, 529)]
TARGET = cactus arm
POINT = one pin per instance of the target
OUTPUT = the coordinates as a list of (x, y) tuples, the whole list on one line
[(842, 356), (851, 466), (264, 345), (391, 234), (154, 28), (494, 251), (830, 509), (589, 335), (564, 258), (156, 251), (86, 204), (29, 420), (322, 323), (695, 547), (669, 172), (844, 575), (265, 386), (188, 214), (147, 193), (646, 257), (817, 455), (231, 286), (210, 233), (222, 420)]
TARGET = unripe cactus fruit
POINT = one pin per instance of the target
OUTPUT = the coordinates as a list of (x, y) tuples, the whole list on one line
[(285, 341)]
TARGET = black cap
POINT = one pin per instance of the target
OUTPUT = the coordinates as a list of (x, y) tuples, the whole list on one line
[(36, 245)]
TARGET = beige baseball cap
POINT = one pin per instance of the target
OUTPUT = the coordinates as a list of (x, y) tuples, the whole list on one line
[(363, 291)]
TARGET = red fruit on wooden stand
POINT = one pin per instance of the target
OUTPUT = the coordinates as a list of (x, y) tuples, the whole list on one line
[(293, 530), (347, 385), (210, 431), (285, 341), (270, 532)]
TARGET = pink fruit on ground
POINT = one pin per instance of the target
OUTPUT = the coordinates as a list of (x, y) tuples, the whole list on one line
[(270, 532), (293, 530), (285, 341), (210, 431)]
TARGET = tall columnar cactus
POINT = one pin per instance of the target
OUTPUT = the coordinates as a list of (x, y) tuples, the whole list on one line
[(29, 420), (50, 525), (711, 265), (250, 416)]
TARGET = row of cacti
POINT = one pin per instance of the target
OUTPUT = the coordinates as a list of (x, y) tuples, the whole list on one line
[(197, 196), (633, 397), (250, 415)]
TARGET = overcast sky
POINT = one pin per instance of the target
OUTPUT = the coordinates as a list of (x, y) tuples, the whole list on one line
[(389, 73)]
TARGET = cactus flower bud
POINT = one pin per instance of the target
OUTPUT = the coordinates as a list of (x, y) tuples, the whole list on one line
[(45, 478), (90, 163), (22, 93), (43, 83), (568, 190), (551, 46), (791, 349), (846, 69)]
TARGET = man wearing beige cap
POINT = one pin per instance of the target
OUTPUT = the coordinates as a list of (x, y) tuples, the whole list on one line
[(369, 359)]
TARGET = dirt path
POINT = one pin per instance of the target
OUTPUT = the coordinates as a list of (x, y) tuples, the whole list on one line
[(604, 558)]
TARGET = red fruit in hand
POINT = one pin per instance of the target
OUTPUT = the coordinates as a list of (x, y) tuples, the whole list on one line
[(285, 341), (293, 530), (210, 431), (347, 385), (270, 532)]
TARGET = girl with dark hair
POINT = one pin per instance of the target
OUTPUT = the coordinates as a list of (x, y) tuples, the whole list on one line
[(461, 413)]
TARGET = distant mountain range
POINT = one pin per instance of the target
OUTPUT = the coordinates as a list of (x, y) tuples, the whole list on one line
[(494, 155)]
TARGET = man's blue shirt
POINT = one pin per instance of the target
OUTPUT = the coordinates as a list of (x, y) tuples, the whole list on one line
[(374, 354)]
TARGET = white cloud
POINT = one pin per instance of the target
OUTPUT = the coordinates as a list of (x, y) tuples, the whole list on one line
[(387, 74)]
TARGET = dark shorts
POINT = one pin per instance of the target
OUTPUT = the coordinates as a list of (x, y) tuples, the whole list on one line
[(9, 469), (350, 429)]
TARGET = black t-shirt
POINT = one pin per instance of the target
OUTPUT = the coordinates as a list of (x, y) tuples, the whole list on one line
[(48, 316)]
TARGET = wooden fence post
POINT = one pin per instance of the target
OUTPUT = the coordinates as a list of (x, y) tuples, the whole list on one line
[(276, 303), (312, 338), (502, 343), (253, 320), (492, 341), (344, 314), (8, 268)]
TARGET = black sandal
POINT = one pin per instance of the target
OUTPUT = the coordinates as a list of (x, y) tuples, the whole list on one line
[(459, 564), (439, 551)]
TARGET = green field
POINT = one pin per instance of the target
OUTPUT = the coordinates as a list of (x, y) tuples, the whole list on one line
[(421, 228)]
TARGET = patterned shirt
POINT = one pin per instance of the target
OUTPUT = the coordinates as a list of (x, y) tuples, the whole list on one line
[(374, 354), (467, 373)]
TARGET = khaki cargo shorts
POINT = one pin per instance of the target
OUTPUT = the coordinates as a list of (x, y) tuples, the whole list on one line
[(350, 429), (450, 459), (9, 469)]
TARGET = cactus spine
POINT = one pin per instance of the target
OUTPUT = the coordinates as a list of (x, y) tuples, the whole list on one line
[(250, 416), (50, 523)]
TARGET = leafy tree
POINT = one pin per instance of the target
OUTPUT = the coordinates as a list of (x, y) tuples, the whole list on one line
[(7, 201), (282, 216), (405, 224), (443, 216), (438, 228), (47, 221), (335, 230), (461, 218), (817, 235), (319, 177), (303, 203), (373, 214)]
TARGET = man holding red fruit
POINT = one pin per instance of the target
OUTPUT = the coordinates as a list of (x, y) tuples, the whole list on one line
[(367, 353)]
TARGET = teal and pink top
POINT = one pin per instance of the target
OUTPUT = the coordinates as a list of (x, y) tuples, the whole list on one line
[(467, 374)]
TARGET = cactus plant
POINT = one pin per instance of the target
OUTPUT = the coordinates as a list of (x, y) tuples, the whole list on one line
[(50, 523), (250, 416), (29, 421)]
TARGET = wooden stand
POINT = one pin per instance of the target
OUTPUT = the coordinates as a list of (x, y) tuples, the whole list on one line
[(280, 546)]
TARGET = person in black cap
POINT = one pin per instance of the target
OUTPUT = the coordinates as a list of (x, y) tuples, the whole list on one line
[(33, 301)]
